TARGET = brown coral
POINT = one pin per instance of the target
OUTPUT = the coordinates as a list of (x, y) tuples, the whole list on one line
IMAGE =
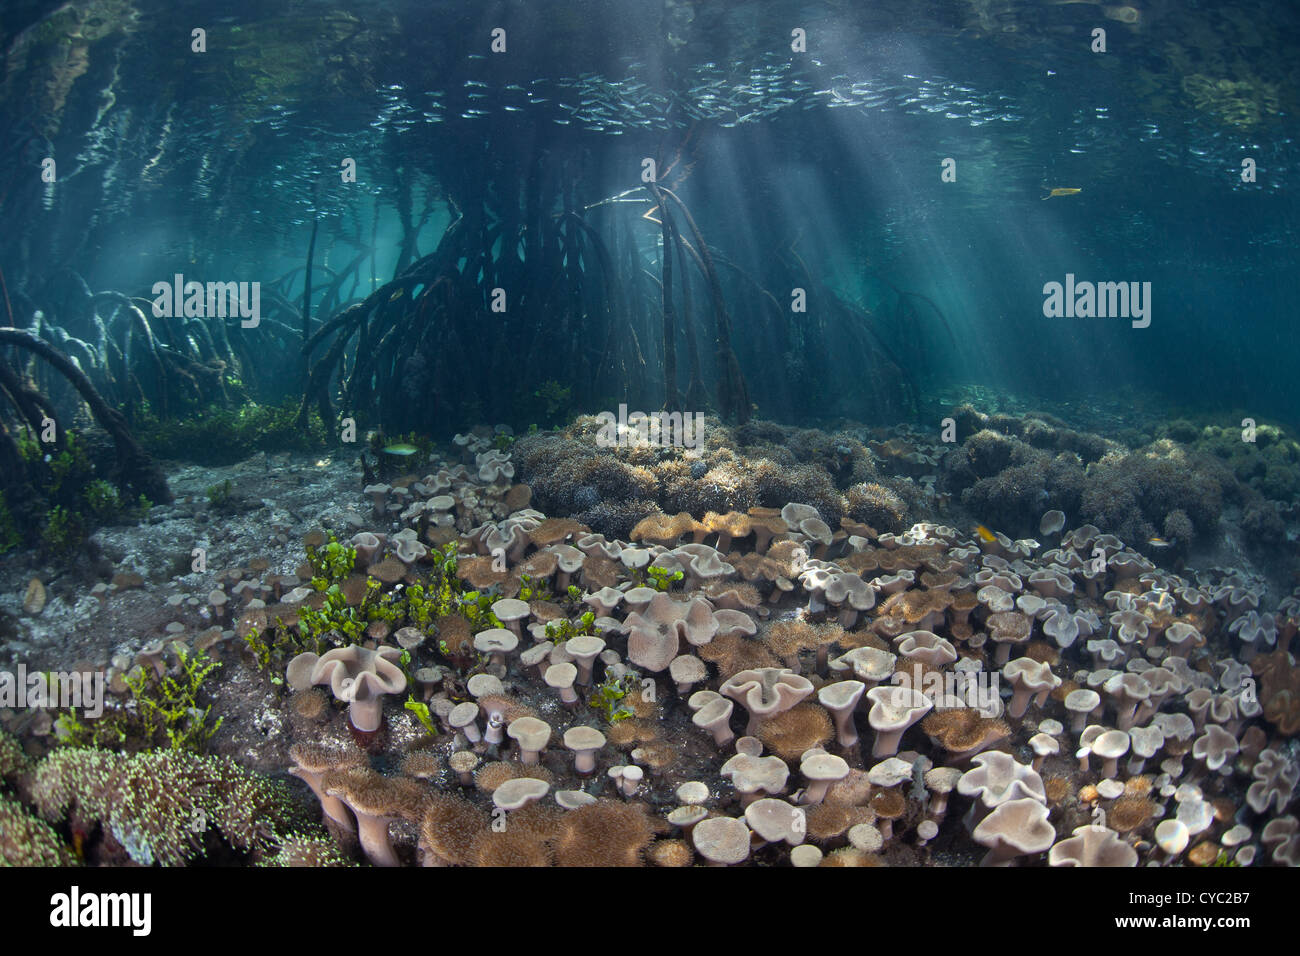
[(915, 606), (1130, 812), (787, 638), (449, 827), (604, 833), (861, 562), (1057, 789), (878, 506), (1279, 690), (734, 653), (512, 847), (733, 595), (829, 821), (454, 631), (962, 730), (665, 530), (671, 853), (389, 570), (625, 733), (599, 572), (798, 729), (554, 530), (477, 572), (728, 526)]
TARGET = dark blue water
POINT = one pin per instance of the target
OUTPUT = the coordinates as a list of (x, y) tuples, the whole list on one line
[(825, 163)]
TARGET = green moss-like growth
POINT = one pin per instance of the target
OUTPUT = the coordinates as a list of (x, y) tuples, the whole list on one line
[(531, 589), (558, 632), (9, 538), (70, 471), (607, 698), (219, 495), (331, 563), (338, 621), (225, 436), (476, 607), (64, 532), (102, 500), (72, 499), (557, 398), (164, 711), (662, 579), (335, 619), (170, 705), (271, 648)]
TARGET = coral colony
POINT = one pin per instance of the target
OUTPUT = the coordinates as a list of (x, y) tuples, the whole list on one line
[(468, 681), (331, 534)]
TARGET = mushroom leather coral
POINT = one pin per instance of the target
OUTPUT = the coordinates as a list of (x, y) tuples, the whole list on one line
[(1279, 691), (358, 676), (655, 634)]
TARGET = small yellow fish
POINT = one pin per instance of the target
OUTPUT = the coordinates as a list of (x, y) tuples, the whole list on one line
[(396, 295), (1159, 543), (985, 534), (1063, 191)]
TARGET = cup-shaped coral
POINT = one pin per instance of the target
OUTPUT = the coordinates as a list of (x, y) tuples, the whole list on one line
[(1092, 846), (893, 710), (654, 635), (1015, 828), (766, 691), (355, 674), (1029, 679)]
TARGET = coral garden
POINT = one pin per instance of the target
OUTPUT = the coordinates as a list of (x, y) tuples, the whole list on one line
[(252, 301), (772, 649)]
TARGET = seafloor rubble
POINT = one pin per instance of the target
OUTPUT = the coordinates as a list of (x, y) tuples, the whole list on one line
[(787, 646)]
